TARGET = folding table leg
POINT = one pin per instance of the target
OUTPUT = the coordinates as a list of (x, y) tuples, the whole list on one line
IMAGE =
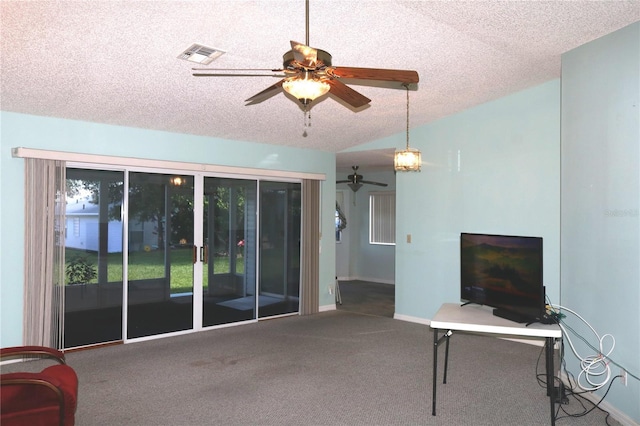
[(550, 378), (435, 370)]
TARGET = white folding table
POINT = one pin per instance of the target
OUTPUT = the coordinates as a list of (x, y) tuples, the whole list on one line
[(480, 319)]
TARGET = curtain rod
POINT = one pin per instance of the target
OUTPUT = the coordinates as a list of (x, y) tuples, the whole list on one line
[(74, 157)]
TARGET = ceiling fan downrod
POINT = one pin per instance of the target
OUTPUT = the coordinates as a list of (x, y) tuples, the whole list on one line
[(306, 14)]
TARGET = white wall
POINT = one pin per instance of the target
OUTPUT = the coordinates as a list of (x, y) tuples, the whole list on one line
[(601, 202)]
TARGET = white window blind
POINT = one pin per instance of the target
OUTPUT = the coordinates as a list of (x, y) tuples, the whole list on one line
[(382, 218)]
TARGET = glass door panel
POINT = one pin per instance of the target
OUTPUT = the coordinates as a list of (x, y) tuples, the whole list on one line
[(229, 235), (93, 254), (280, 222), (161, 254)]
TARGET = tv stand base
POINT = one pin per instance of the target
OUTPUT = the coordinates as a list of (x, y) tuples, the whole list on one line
[(512, 316)]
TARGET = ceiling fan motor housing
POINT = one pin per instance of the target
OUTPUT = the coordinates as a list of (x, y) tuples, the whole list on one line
[(323, 60)]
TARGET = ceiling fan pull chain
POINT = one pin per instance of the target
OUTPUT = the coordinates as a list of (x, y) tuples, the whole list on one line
[(307, 122)]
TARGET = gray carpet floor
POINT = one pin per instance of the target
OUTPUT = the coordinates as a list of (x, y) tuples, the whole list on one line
[(332, 368), (368, 298)]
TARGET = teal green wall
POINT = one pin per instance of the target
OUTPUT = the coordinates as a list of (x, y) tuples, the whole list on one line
[(601, 202), (495, 169), (20, 130)]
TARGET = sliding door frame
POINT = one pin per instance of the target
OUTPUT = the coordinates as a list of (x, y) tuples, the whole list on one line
[(199, 176)]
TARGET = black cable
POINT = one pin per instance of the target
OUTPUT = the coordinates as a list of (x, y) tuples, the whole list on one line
[(580, 398), (542, 383), (572, 384)]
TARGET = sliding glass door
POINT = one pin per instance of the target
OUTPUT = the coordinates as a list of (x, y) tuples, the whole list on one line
[(280, 221), (151, 253), (229, 235), (93, 254), (161, 254)]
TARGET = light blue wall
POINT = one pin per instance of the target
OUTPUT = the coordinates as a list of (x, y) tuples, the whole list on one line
[(20, 130), (494, 168), (601, 202)]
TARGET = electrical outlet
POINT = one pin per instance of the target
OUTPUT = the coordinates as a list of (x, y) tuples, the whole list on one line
[(623, 376), (330, 289)]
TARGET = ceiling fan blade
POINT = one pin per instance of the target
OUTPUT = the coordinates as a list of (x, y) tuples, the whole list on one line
[(304, 54), (343, 181), (347, 94), (402, 76), (237, 72), (265, 94), (373, 183)]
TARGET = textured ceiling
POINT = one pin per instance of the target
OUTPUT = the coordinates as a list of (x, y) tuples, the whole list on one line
[(115, 61)]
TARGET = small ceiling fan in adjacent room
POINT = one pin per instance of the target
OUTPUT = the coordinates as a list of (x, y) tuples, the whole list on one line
[(307, 74), (355, 181)]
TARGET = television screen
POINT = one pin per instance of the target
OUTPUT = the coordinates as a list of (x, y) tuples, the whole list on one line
[(504, 272)]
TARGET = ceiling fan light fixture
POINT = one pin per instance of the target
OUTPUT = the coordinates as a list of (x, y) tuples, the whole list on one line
[(306, 89), (354, 186), (409, 159)]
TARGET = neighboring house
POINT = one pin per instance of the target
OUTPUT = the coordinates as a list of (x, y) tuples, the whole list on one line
[(82, 229)]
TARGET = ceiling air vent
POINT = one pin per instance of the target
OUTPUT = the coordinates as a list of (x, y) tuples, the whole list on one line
[(201, 54)]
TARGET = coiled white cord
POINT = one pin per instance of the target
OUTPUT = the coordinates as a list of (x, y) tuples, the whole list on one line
[(595, 369)]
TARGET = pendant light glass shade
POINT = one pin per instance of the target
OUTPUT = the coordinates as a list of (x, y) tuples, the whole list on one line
[(408, 160)]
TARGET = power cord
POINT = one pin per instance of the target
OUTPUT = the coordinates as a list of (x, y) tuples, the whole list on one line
[(595, 370), (581, 399), (566, 392)]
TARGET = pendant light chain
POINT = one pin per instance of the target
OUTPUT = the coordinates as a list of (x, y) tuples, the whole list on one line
[(407, 87)]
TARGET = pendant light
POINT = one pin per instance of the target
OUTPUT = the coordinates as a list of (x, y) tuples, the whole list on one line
[(409, 159)]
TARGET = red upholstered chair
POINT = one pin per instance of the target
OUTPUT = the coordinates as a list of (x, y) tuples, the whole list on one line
[(38, 399)]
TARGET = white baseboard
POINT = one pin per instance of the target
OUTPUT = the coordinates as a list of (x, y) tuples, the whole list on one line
[(534, 341), (371, 280), (410, 318), (325, 308)]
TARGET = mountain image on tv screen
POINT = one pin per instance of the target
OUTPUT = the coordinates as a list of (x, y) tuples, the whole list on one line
[(502, 271)]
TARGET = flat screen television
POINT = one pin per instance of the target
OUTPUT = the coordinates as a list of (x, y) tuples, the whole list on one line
[(504, 272)]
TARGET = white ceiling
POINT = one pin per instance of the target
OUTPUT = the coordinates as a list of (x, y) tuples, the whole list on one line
[(115, 61)]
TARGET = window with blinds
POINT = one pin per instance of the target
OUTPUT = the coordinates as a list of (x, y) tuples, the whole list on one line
[(382, 218)]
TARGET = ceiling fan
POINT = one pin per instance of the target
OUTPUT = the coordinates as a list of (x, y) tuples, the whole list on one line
[(356, 181), (307, 74)]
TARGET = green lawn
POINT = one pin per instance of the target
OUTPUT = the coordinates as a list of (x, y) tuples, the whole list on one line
[(148, 265)]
